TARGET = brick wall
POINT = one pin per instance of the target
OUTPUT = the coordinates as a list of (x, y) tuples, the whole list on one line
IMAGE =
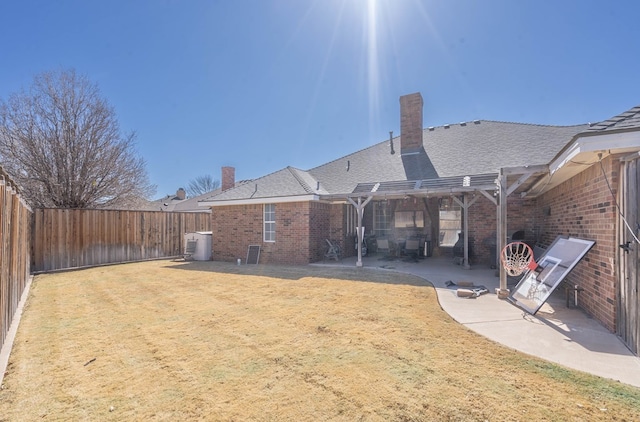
[(338, 228), (320, 216), (584, 207), (411, 121), (301, 228), (521, 215), (228, 178)]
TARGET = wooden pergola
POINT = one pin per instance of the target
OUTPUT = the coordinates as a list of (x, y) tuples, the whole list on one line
[(496, 187)]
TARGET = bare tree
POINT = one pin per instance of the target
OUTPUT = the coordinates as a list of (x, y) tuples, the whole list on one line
[(62, 143), (202, 184)]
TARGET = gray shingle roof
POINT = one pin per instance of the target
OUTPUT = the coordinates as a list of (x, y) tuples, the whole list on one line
[(629, 120), (473, 148), (289, 181), (172, 203), (479, 147)]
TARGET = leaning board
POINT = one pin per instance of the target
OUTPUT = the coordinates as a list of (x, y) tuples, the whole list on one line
[(558, 260), (253, 254)]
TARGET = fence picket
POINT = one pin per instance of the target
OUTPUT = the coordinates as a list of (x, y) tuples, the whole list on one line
[(15, 252), (74, 238)]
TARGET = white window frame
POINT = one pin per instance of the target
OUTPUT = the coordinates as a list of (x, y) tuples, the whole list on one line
[(352, 220), (382, 223), (269, 223)]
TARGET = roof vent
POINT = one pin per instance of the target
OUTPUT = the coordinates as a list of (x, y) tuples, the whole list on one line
[(391, 142)]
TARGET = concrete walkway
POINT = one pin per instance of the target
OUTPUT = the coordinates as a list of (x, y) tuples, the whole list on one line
[(556, 333)]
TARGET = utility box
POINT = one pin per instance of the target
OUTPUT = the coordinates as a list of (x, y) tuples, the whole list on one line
[(203, 250)]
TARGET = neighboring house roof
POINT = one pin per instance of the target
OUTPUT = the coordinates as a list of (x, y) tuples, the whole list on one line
[(173, 203), (480, 147)]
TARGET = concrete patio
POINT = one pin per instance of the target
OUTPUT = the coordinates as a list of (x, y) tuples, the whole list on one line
[(556, 333)]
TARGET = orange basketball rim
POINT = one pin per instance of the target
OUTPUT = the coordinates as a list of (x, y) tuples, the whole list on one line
[(516, 257)]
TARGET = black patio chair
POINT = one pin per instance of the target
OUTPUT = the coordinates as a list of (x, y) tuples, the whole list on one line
[(334, 251)]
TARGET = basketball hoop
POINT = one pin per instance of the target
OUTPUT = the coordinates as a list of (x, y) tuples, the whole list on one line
[(517, 257)]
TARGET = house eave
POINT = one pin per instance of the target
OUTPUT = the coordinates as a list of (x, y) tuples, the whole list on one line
[(261, 200), (585, 150), (603, 143)]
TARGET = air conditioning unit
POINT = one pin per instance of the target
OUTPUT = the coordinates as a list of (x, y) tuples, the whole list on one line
[(203, 250)]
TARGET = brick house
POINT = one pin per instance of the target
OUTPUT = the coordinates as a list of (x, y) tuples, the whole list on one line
[(450, 186), (593, 193)]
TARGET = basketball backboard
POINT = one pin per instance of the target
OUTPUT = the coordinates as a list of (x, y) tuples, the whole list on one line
[(559, 259)]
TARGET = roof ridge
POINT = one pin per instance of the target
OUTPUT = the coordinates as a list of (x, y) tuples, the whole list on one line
[(479, 121), (241, 184), (294, 171), (352, 154)]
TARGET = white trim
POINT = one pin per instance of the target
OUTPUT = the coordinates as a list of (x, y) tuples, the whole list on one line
[(606, 142), (265, 222), (253, 201)]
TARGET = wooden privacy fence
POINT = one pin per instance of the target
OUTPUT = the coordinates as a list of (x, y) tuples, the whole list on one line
[(15, 235), (71, 238)]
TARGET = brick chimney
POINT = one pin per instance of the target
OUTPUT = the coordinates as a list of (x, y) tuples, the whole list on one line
[(181, 194), (410, 123), (228, 178)]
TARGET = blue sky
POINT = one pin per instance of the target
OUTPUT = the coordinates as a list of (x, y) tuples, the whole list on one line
[(263, 84)]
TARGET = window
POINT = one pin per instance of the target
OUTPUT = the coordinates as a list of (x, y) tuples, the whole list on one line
[(381, 219), (450, 222), (269, 222), (409, 219)]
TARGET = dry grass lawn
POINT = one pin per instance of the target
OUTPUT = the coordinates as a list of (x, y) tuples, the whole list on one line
[(168, 340)]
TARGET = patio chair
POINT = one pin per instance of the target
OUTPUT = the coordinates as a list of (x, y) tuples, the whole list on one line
[(385, 247), (334, 251), (412, 249), (190, 249)]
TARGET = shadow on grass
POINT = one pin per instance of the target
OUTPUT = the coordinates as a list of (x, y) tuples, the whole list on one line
[(371, 275)]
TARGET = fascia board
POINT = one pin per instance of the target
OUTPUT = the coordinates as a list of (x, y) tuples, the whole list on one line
[(602, 142), (263, 200)]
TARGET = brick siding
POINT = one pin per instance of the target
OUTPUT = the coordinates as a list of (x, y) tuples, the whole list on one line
[(584, 207), (521, 215), (301, 228)]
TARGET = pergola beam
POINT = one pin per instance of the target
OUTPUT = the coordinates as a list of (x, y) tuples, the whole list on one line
[(511, 171)]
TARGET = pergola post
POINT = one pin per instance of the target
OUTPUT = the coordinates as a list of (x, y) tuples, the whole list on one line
[(359, 238), (503, 291), (465, 204)]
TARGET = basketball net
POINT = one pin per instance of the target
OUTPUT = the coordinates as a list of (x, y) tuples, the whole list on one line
[(516, 257)]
